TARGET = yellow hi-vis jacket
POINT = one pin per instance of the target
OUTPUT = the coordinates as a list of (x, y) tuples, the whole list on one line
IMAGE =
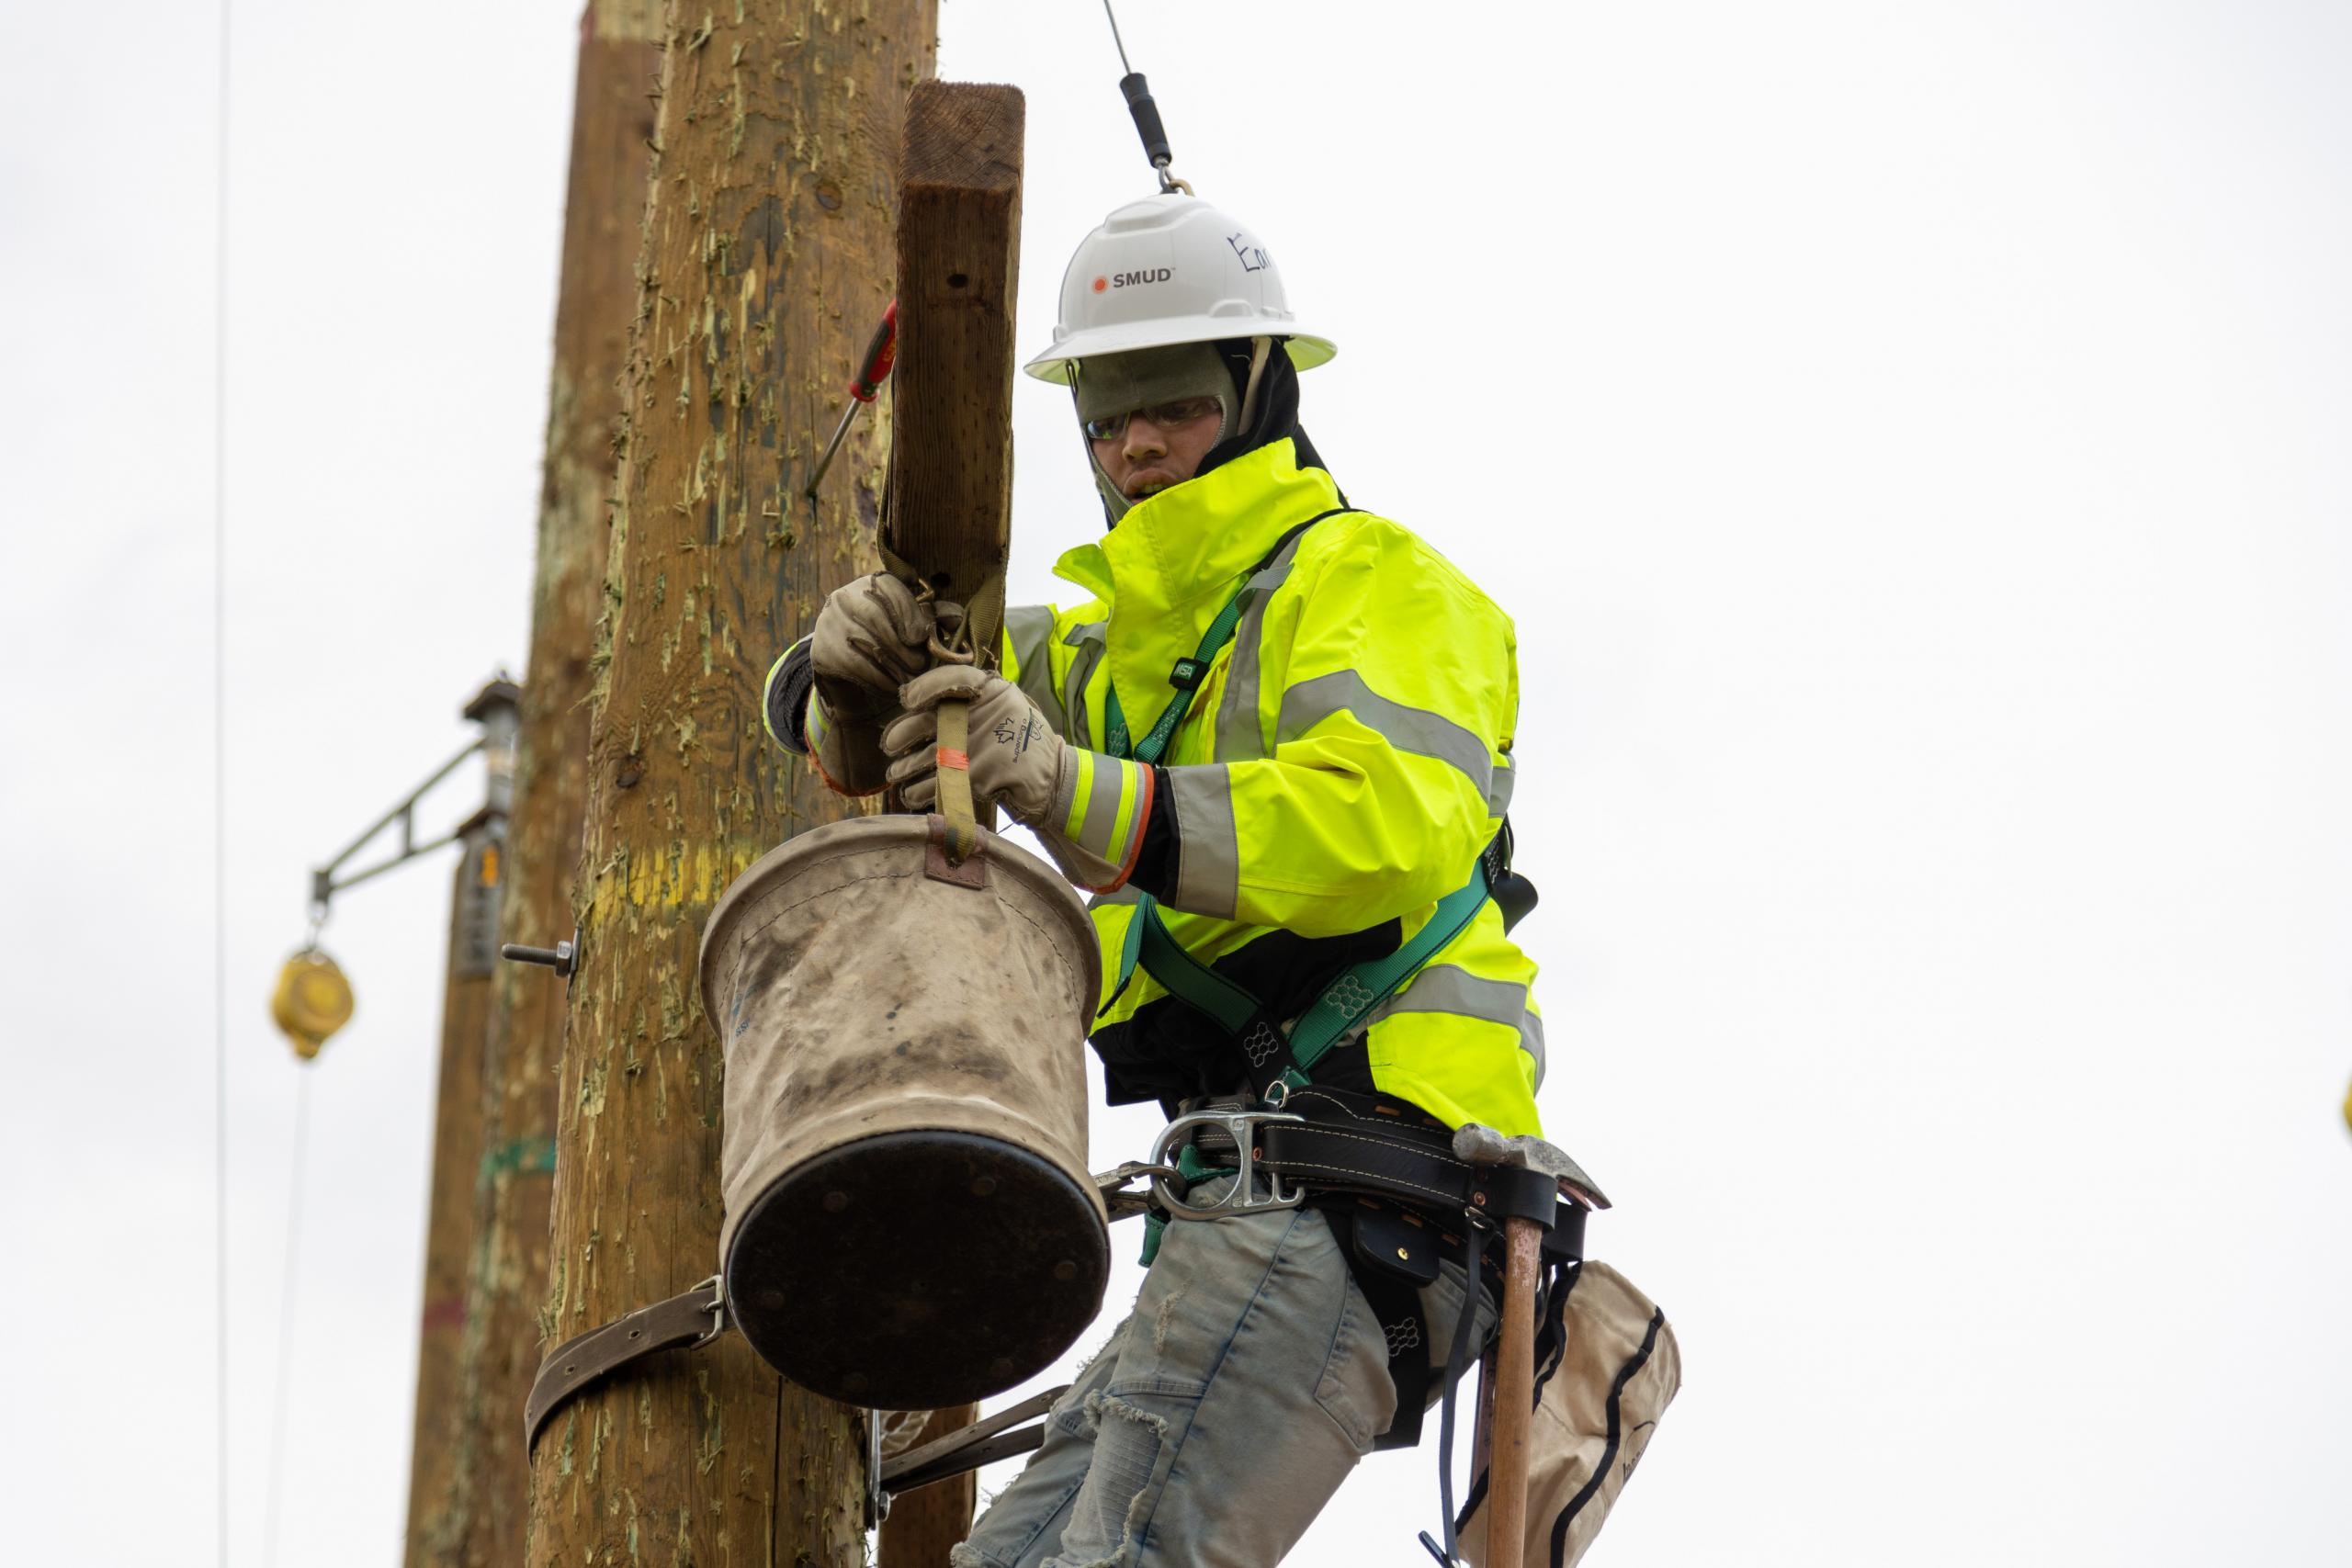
[(1341, 765)]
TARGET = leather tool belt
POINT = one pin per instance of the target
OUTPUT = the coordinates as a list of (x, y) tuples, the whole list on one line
[(1386, 1178)]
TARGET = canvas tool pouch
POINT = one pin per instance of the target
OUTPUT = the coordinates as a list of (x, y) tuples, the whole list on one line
[(1619, 1368), (910, 1220)]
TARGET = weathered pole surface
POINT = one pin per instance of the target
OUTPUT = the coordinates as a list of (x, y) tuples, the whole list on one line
[(458, 1112), (766, 263), (950, 516), (475, 1519), (925, 1523)]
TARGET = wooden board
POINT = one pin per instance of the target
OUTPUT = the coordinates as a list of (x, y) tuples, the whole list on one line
[(950, 509)]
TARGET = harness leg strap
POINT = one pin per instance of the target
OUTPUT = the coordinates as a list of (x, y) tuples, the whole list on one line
[(1457, 1362)]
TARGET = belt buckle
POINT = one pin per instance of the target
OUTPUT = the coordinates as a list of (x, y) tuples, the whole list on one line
[(1239, 1125)]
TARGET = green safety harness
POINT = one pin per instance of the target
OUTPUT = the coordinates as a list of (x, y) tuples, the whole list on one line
[(1277, 1055)]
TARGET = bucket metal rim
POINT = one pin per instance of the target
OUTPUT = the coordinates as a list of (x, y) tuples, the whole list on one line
[(870, 834)]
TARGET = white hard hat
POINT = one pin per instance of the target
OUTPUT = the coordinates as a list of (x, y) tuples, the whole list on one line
[(1170, 269)]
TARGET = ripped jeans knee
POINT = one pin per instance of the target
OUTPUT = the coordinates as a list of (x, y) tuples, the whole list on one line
[(1132, 1454)]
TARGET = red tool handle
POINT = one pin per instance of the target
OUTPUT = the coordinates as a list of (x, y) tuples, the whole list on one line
[(880, 354)]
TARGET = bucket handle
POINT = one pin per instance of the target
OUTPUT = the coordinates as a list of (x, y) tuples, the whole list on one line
[(953, 852)]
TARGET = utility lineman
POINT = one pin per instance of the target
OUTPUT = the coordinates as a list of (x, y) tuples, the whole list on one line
[(1273, 743)]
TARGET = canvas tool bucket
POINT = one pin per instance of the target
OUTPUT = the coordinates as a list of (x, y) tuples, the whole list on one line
[(910, 1223), (1620, 1367)]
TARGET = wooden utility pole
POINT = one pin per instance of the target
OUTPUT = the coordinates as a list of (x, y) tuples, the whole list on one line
[(950, 516), (475, 1518), (766, 263), (458, 1116)]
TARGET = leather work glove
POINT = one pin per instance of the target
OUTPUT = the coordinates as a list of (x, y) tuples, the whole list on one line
[(1089, 809), (871, 638)]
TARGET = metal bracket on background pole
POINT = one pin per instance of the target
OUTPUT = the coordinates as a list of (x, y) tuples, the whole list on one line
[(498, 709)]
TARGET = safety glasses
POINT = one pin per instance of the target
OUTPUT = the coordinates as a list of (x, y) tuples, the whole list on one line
[(1185, 411)]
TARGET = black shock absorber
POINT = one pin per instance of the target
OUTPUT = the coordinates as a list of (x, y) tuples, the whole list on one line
[(1145, 113), (1147, 119)]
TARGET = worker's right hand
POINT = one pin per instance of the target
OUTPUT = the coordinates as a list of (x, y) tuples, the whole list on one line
[(870, 638), (1091, 810), (1015, 758)]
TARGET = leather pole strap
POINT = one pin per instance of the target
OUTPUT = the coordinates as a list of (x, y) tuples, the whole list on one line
[(693, 1318)]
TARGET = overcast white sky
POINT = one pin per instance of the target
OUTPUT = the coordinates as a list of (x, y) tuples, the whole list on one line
[(1911, 438)]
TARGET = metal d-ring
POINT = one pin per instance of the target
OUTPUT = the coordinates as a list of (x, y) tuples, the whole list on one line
[(1243, 1200)]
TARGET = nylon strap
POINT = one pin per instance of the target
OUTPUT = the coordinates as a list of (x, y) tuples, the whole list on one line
[(1220, 632), (956, 779), (1213, 641), (1163, 956), (1362, 986), (1193, 1170), (1351, 994)]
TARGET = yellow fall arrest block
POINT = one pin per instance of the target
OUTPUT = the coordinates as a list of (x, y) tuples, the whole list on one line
[(312, 1000)]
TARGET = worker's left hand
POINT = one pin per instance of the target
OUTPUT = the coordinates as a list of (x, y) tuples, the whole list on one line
[(1016, 758), (871, 635)]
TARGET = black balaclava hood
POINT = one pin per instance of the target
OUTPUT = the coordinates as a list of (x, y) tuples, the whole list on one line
[(1271, 416)]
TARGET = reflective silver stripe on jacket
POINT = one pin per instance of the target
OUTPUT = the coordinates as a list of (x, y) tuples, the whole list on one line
[(1110, 779), (1450, 989), (1531, 1040), (1238, 739), (1090, 639), (1208, 849), (1417, 730), (1030, 629), (1499, 792)]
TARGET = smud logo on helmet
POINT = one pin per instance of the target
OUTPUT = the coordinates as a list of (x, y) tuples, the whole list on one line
[(1135, 279)]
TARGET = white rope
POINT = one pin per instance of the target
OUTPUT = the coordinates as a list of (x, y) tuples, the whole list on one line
[(283, 1396)]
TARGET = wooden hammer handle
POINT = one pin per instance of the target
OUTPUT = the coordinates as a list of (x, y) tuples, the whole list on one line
[(1514, 1394)]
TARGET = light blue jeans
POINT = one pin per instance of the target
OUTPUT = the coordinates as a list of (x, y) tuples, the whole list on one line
[(1222, 1415)]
